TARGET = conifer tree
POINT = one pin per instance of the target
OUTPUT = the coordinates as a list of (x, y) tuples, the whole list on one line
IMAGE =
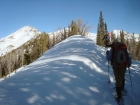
[(69, 31), (98, 36), (44, 42), (101, 30), (53, 40), (138, 49), (47, 41), (106, 28), (27, 57), (73, 30), (78, 27), (133, 46), (0, 68), (65, 34), (128, 44), (101, 21), (113, 37), (122, 36)]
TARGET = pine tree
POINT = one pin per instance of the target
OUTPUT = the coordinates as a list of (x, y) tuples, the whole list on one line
[(47, 41), (113, 37), (54, 40), (101, 21), (98, 36), (128, 44), (65, 34), (137, 51), (44, 42), (27, 57), (73, 29), (69, 31), (122, 36), (106, 28), (133, 47), (101, 30)]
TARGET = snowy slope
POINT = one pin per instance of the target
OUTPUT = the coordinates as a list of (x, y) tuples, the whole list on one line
[(126, 34), (73, 72), (17, 39)]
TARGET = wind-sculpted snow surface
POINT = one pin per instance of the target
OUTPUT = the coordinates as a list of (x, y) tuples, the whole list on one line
[(73, 72)]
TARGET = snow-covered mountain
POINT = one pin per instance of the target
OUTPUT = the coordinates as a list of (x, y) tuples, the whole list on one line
[(126, 34), (17, 39), (73, 72), (26, 33)]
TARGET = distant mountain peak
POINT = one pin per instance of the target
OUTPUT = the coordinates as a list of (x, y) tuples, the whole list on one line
[(27, 29), (17, 39)]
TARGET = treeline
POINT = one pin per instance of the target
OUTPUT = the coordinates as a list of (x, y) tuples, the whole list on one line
[(25, 54), (133, 44), (77, 27), (33, 49)]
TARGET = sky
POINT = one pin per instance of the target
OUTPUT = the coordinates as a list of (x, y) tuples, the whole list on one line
[(49, 15), (61, 77)]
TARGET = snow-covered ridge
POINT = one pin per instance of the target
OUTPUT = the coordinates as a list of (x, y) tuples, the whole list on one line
[(73, 72), (17, 39)]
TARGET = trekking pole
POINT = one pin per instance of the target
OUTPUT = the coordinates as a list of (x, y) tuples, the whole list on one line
[(108, 73), (131, 82)]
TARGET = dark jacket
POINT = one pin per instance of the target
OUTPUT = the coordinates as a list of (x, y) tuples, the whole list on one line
[(106, 37)]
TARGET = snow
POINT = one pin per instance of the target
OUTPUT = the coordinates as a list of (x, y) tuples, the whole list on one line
[(92, 36), (17, 39), (127, 35), (73, 72)]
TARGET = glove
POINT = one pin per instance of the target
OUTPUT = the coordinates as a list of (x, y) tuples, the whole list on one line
[(107, 52), (129, 65)]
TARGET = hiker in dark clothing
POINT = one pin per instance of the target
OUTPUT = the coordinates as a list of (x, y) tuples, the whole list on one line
[(106, 38), (120, 60), (109, 45)]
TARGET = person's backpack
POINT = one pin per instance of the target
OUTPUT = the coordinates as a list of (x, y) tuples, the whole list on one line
[(120, 56)]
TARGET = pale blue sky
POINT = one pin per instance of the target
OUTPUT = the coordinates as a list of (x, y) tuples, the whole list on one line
[(47, 15)]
